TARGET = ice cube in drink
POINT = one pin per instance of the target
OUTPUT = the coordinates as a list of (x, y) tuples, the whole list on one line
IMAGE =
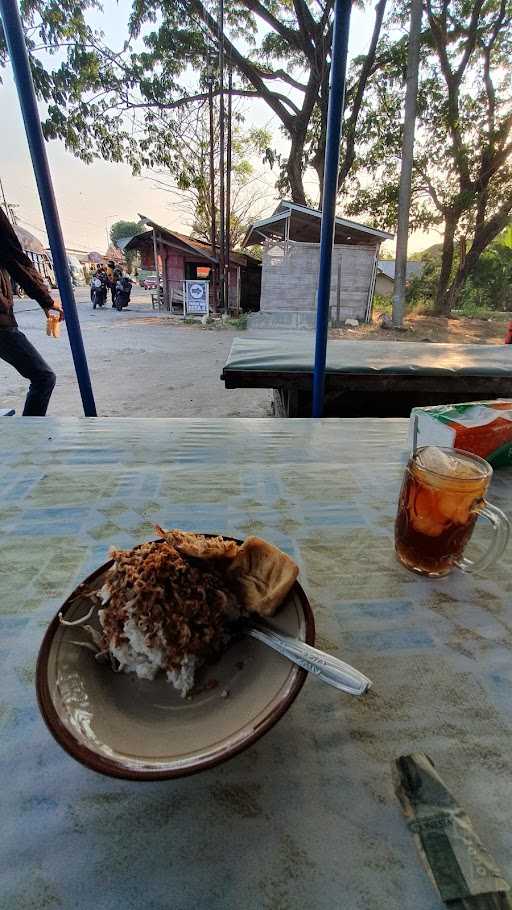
[(437, 509)]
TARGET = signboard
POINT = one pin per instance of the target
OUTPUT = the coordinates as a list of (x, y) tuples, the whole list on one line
[(196, 298)]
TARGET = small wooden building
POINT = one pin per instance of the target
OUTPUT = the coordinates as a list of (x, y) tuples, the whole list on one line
[(291, 260), (177, 257)]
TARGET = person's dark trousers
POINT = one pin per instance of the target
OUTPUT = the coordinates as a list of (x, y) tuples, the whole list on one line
[(16, 349)]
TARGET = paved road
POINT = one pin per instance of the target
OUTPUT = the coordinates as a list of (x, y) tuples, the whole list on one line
[(139, 365)]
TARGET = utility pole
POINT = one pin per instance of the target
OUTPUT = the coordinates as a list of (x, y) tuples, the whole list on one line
[(228, 178), (212, 170), (404, 196), (213, 208), (222, 200)]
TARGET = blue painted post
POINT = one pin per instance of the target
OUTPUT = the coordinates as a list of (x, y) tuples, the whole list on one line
[(332, 160), (23, 78)]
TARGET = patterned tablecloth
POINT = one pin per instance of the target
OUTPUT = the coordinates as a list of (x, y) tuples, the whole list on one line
[(306, 818)]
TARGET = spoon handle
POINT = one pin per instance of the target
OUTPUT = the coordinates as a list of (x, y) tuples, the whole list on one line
[(326, 667)]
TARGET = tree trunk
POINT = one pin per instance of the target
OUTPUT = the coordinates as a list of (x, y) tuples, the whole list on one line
[(404, 198), (298, 134), (442, 302), (318, 159), (294, 171), (485, 233), (351, 124)]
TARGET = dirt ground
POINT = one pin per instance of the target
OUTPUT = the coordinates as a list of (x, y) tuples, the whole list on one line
[(456, 329), (143, 363)]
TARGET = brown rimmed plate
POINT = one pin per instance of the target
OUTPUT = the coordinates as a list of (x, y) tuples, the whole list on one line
[(139, 729)]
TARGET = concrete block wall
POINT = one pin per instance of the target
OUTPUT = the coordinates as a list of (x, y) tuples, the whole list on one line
[(289, 280)]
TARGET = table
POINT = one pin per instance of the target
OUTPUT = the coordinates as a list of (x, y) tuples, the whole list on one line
[(369, 378), (307, 818)]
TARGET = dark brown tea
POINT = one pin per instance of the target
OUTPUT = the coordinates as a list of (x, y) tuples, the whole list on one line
[(438, 507)]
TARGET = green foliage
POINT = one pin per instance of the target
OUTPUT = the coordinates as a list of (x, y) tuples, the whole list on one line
[(381, 304), (462, 175), (119, 104), (488, 288), (122, 229), (422, 288), (239, 322)]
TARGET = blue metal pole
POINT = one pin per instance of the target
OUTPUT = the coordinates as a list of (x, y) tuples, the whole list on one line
[(27, 97), (332, 160)]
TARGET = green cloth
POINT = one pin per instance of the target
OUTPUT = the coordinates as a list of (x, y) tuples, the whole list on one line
[(296, 355)]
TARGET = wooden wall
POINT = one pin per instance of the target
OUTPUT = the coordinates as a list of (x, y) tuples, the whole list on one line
[(290, 277)]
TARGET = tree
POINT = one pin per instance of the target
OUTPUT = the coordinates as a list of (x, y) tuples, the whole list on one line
[(278, 49), (462, 176), (405, 185), (122, 229), (185, 174), (488, 286)]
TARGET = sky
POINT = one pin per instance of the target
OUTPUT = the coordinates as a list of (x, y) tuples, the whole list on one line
[(91, 197)]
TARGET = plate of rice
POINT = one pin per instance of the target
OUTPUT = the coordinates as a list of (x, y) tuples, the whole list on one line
[(145, 673)]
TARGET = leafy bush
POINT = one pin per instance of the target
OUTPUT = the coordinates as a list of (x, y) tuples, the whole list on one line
[(239, 323), (382, 304), (487, 289)]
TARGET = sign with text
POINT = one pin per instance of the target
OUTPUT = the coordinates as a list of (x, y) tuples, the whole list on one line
[(196, 298)]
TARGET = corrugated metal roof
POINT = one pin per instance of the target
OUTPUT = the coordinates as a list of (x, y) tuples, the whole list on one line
[(286, 211), (28, 241), (197, 246), (285, 204), (387, 267)]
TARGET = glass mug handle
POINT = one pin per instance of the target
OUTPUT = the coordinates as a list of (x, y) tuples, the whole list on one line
[(501, 529)]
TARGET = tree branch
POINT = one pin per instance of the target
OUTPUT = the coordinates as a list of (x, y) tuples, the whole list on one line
[(203, 96), (307, 24), (489, 85), (452, 83), (483, 236), (291, 35), (350, 129), (246, 67), (471, 40), (281, 74), (432, 191)]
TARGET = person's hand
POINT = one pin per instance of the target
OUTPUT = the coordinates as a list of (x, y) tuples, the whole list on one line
[(56, 309)]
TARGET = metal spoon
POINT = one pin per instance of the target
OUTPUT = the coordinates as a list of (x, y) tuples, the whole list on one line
[(326, 667)]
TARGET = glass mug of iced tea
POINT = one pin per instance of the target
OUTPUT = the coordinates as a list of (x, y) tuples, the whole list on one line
[(441, 498)]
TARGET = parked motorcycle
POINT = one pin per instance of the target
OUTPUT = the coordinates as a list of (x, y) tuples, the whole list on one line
[(123, 291), (98, 291)]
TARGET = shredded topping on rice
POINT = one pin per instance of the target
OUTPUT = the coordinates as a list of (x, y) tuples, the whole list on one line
[(169, 605), (181, 607)]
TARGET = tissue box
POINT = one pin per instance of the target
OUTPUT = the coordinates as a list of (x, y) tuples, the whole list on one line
[(481, 427)]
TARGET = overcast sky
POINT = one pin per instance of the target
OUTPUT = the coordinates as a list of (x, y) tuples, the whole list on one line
[(91, 197)]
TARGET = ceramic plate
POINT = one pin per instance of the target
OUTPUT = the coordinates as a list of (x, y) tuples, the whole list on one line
[(141, 729)]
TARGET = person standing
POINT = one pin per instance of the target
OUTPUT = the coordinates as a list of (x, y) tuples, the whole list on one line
[(15, 348), (112, 279)]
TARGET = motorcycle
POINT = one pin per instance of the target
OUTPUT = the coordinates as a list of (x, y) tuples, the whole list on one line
[(98, 292), (122, 294)]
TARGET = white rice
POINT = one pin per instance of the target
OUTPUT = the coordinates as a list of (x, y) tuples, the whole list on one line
[(135, 656)]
